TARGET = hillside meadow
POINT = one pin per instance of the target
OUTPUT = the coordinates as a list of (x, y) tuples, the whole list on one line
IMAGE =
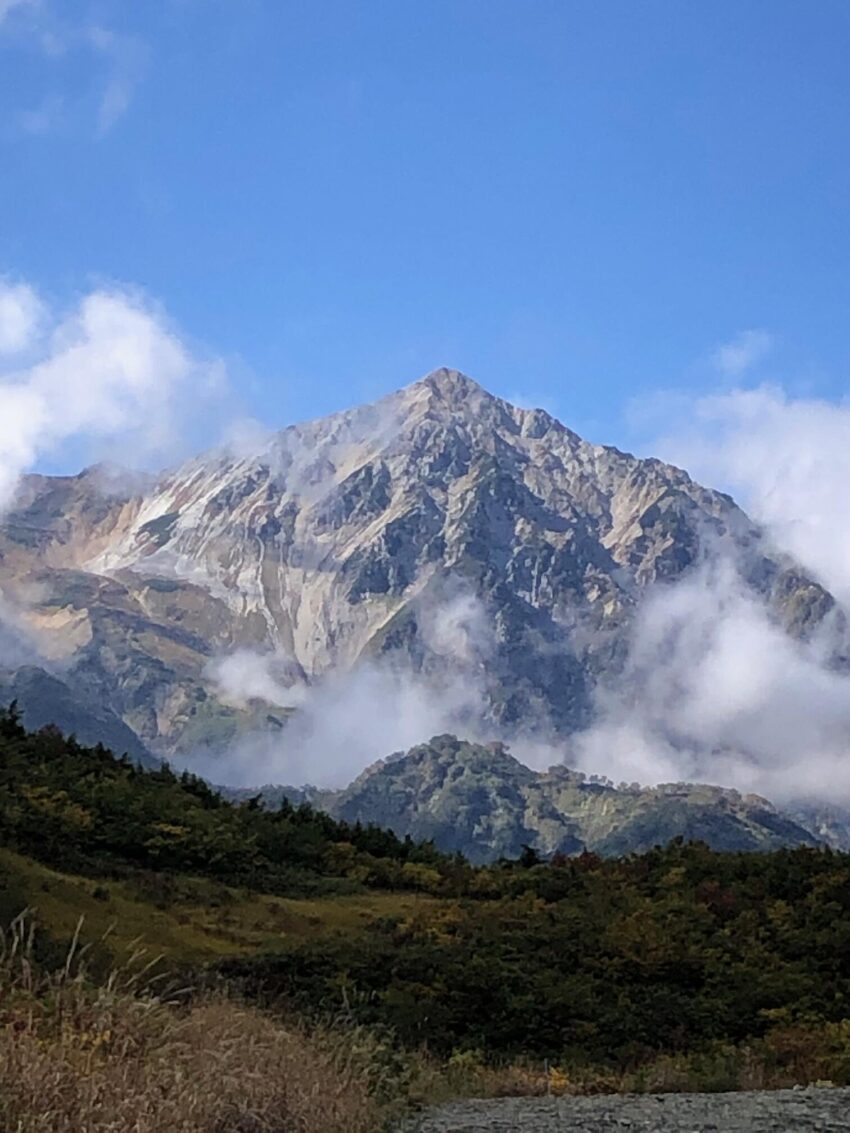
[(168, 930)]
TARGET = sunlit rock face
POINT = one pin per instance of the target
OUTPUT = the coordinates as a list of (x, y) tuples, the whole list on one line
[(441, 528)]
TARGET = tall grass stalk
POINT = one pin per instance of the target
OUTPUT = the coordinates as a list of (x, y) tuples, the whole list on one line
[(119, 1056)]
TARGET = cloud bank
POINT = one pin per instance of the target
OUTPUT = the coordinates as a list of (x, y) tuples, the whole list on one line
[(785, 459), (344, 723), (733, 359), (110, 375), (21, 312), (715, 690)]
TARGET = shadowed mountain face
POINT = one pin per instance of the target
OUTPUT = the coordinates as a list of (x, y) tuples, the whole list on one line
[(480, 801), (360, 536), (46, 700)]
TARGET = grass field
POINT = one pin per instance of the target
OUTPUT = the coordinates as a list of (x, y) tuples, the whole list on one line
[(182, 919)]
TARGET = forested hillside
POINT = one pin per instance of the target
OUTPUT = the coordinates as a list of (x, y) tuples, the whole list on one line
[(729, 968), (607, 962), (479, 800), (81, 809)]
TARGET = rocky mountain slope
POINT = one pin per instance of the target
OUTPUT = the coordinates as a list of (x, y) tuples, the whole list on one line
[(470, 541), (478, 800), (46, 700)]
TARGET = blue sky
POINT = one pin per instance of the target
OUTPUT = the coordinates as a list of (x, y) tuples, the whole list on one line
[(578, 203)]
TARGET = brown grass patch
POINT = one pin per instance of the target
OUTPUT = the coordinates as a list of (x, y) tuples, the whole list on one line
[(78, 1059)]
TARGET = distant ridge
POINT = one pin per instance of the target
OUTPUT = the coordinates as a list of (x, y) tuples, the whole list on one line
[(478, 800)]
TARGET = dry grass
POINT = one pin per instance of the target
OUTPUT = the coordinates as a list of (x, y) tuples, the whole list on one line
[(79, 1059), (128, 1056)]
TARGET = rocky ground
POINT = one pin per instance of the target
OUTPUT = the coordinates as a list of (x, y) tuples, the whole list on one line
[(780, 1111)]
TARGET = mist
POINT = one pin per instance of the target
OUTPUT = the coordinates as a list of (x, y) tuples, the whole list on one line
[(785, 459), (713, 689), (345, 721)]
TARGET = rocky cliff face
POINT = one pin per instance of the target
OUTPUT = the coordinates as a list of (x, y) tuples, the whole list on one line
[(348, 538)]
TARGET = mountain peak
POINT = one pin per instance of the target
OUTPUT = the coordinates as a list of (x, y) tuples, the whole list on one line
[(446, 381), (450, 395), (480, 547)]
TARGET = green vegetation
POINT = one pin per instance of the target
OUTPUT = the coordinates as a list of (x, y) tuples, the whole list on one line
[(186, 920), (598, 962), (82, 810), (677, 968), (480, 801)]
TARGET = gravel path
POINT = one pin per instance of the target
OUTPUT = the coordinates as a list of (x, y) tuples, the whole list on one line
[(781, 1111)]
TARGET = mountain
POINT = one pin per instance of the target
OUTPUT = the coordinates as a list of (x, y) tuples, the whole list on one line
[(474, 543), (828, 822), (478, 800), (46, 700)]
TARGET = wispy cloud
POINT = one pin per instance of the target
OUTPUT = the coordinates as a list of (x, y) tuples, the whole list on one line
[(42, 119), (21, 312), (716, 691), (126, 58), (342, 724), (743, 352), (787, 461), (118, 62)]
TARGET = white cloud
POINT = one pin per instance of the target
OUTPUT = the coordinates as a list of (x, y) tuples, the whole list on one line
[(21, 312), (715, 691), (110, 373), (457, 628), (348, 719), (787, 461), (244, 437), (746, 350), (345, 721), (247, 674)]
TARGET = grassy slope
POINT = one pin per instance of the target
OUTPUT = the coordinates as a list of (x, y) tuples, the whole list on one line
[(190, 920)]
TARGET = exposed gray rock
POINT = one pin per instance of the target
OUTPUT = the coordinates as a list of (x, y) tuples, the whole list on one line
[(780, 1111), (340, 537)]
